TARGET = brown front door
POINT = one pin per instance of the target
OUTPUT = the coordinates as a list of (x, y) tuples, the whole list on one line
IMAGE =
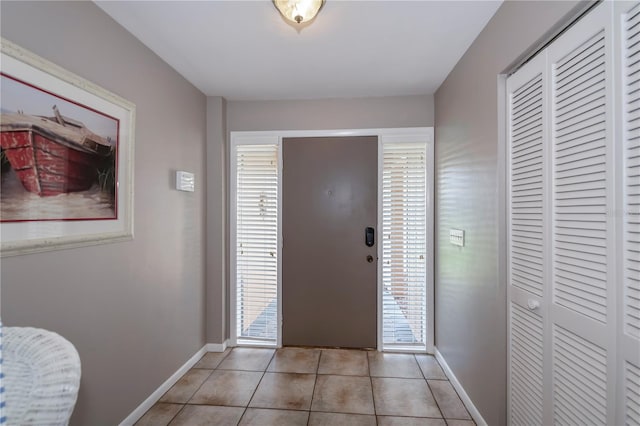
[(329, 195)]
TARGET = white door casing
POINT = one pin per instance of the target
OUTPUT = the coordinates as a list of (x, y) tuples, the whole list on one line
[(274, 138)]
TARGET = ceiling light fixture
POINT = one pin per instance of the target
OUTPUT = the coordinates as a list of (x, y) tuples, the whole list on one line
[(298, 11)]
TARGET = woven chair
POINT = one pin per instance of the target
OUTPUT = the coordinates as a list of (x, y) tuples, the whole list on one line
[(42, 376)]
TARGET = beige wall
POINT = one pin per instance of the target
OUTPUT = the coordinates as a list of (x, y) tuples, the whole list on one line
[(470, 281), (134, 310), (325, 114)]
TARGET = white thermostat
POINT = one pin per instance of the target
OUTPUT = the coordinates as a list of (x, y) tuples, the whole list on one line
[(185, 181)]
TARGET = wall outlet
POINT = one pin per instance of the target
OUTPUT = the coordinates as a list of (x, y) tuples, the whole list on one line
[(456, 237), (185, 181)]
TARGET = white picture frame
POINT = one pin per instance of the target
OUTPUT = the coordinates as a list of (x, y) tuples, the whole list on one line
[(21, 236)]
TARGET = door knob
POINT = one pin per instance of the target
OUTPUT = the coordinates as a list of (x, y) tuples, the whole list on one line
[(370, 259)]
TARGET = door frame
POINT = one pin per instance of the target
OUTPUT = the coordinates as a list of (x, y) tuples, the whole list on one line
[(384, 135)]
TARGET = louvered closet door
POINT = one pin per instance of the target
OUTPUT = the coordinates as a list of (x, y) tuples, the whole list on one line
[(629, 126), (590, 249), (582, 311), (526, 100)]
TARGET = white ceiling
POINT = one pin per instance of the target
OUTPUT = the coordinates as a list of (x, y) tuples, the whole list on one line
[(244, 50)]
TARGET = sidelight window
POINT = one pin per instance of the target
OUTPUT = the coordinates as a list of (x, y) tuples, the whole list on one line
[(256, 243), (404, 245)]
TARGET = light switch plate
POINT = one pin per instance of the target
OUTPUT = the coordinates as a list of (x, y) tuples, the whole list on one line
[(456, 237), (185, 181)]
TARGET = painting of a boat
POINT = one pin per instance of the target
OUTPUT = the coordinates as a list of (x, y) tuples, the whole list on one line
[(52, 155)]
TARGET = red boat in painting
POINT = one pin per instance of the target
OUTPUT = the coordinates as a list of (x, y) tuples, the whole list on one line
[(52, 155)]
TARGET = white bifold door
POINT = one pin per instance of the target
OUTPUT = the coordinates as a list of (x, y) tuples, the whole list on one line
[(574, 225)]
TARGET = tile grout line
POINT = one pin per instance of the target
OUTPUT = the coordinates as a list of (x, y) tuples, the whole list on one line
[(460, 399), (194, 392), (202, 384), (199, 387), (435, 400), (191, 397), (419, 367), (429, 388), (175, 415), (264, 372), (432, 394), (373, 397), (315, 382), (207, 378)]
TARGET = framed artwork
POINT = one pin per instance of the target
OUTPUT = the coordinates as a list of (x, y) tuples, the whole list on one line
[(66, 158)]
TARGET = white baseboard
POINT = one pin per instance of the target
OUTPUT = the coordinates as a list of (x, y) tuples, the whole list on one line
[(475, 414), (217, 347), (157, 394)]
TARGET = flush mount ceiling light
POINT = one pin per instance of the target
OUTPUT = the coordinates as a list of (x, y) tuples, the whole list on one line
[(299, 11)]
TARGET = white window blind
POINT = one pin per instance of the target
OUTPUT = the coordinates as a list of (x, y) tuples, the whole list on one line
[(404, 249), (257, 242)]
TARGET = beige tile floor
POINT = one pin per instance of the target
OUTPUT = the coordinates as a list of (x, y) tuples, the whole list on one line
[(309, 386)]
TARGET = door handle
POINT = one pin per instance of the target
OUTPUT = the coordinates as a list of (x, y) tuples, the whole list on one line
[(369, 236)]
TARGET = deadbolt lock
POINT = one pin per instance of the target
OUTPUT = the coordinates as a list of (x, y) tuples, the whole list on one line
[(370, 259)]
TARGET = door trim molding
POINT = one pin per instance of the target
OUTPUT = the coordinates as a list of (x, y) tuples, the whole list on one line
[(332, 133), (251, 138), (255, 137), (422, 135)]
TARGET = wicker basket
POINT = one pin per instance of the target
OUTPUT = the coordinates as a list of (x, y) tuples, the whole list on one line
[(42, 376)]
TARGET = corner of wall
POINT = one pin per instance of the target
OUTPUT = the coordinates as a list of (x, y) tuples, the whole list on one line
[(216, 224)]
